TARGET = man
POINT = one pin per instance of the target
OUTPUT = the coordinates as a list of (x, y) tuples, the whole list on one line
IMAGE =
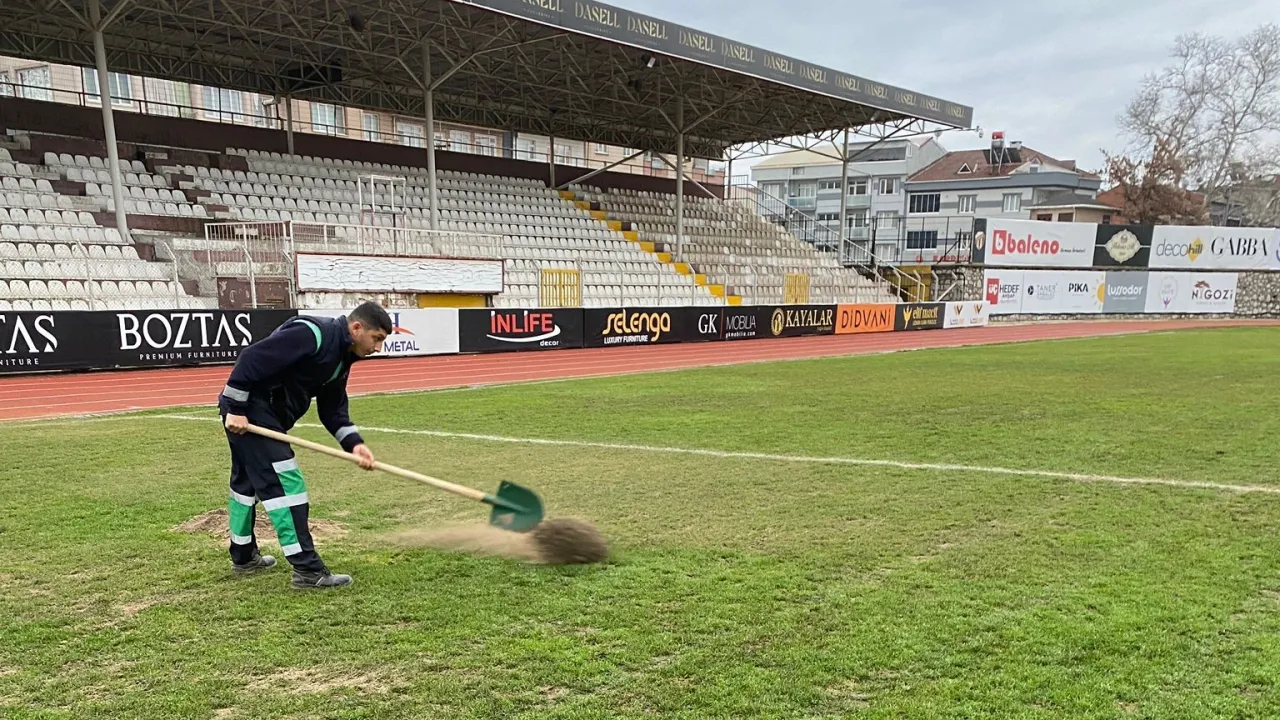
[(271, 386)]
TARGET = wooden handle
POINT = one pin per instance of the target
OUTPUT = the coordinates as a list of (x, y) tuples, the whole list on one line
[(466, 492)]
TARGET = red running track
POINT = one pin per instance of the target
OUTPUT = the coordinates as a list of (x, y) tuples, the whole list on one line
[(31, 397)]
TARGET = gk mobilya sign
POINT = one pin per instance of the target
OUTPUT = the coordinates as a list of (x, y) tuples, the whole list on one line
[(623, 26)]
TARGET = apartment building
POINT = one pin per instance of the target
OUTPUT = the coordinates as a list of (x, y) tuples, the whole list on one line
[(808, 182), (1003, 181)]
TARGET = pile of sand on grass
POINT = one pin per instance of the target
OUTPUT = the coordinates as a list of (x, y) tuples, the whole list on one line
[(473, 539), (555, 542), (215, 523)]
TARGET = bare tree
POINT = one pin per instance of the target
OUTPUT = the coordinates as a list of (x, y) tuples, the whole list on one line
[(1213, 109), (1154, 190)]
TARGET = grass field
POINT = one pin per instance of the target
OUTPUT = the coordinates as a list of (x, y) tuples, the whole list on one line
[(741, 586)]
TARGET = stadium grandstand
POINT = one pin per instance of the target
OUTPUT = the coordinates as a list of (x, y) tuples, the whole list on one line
[(107, 209)]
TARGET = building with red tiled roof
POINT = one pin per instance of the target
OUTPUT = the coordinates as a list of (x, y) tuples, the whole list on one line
[(1003, 181)]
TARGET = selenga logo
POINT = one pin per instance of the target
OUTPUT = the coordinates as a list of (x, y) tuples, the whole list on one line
[(638, 327)]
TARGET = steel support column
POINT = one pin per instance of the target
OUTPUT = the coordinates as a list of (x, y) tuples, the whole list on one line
[(429, 101), (844, 194), (108, 118), (288, 122), (551, 160), (680, 178)]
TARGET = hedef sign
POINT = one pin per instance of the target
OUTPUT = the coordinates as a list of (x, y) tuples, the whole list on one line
[(1003, 291)]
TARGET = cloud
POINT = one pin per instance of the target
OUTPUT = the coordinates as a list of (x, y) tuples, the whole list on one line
[(1053, 75)]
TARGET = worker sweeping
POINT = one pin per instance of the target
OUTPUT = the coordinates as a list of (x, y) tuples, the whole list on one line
[(271, 386)]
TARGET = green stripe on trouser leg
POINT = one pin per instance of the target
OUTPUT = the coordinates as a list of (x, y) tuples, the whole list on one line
[(280, 509), (240, 515)]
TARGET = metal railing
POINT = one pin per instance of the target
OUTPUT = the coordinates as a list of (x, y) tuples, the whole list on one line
[(857, 250), (35, 274), (259, 251)]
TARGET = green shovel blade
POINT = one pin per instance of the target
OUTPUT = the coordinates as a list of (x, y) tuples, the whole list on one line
[(515, 507)]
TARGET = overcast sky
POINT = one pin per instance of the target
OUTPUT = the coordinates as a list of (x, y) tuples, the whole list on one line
[(1053, 75)]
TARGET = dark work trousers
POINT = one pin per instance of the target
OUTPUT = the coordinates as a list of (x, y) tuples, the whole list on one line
[(265, 470)]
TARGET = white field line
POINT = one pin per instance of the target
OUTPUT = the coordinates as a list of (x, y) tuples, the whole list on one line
[(807, 459)]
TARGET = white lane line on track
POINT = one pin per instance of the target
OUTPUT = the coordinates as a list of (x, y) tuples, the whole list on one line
[(809, 459)]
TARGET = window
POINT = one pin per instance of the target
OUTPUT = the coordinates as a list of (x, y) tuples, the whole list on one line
[(222, 105), (486, 145), (806, 190), (327, 119), (886, 219), (440, 142), (888, 186), (924, 203), (36, 83), (964, 240), (372, 127), (829, 185), (459, 141), (6, 89), (797, 171), (1106, 219), (858, 187), (410, 133), (967, 204), (160, 96), (964, 169), (570, 155), (1045, 217), (1066, 217), (922, 239), (526, 149), (121, 87), (856, 219), (1013, 202), (263, 110), (829, 217), (600, 148)]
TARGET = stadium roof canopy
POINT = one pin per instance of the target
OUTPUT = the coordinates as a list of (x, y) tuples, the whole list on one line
[(575, 69)]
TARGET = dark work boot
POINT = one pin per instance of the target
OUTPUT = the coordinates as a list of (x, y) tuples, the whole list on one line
[(259, 562), (318, 580)]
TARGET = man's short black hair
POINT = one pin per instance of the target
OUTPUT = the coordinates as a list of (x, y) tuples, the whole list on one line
[(371, 315)]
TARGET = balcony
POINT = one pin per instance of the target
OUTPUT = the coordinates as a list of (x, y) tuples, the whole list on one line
[(802, 203)]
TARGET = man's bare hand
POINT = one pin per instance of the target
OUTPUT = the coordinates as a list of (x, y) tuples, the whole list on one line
[(237, 424), (365, 454)]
